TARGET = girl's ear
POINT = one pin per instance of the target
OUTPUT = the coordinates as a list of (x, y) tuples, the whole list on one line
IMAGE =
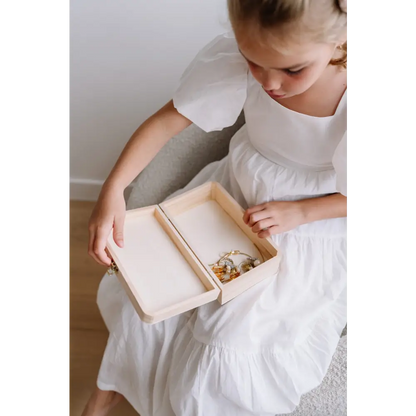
[(340, 45), (342, 39), (342, 4)]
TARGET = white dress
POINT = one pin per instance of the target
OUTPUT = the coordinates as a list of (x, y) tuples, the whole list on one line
[(257, 354)]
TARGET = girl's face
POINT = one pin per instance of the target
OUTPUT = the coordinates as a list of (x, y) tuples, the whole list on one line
[(289, 74)]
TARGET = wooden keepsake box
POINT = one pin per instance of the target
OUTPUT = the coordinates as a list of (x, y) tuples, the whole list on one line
[(164, 265)]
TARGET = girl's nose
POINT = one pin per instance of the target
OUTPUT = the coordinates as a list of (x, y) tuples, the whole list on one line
[(271, 81)]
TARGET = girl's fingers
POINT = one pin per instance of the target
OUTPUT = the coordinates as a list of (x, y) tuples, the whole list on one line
[(269, 232), (91, 247), (100, 245), (258, 216), (118, 232), (249, 211), (259, 226)]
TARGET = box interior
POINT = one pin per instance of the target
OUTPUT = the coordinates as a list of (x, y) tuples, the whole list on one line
[(211, 222), (211, 232)]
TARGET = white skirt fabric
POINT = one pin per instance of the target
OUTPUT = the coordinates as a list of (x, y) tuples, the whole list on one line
[(257, 354)]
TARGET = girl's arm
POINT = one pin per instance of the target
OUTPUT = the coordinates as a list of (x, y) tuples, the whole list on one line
[(331, 206), (144, 145), (110, 210), (280, 216)]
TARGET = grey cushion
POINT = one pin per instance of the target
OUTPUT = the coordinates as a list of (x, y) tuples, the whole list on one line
[(178, 162), (330, 397)]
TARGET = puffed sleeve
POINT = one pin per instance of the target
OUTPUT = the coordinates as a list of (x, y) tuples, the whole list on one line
[(339, 162), (213, 88)]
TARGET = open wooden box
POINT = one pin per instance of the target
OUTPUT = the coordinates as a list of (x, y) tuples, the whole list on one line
[(164, 264)]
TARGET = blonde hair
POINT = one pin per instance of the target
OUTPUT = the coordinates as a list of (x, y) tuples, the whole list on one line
[(317, 20)]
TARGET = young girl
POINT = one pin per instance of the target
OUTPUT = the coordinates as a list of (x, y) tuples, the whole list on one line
[(257, 354)]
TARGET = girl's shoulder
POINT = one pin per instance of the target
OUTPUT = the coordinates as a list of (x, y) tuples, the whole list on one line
[(213, 88)]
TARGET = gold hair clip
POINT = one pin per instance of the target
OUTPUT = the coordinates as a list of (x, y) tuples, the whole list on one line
[(226, 270)]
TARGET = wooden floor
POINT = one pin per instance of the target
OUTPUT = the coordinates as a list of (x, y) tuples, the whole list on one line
[(88, 332)]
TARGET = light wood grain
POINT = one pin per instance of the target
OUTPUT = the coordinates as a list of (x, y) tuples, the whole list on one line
[(214, 191), (188, 200), (147, 312), (87, 330)]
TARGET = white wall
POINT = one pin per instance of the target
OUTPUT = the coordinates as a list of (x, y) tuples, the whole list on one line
[(126, 59)]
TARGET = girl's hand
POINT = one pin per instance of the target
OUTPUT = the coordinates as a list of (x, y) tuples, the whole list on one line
[(108, 213), (274, 217)]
